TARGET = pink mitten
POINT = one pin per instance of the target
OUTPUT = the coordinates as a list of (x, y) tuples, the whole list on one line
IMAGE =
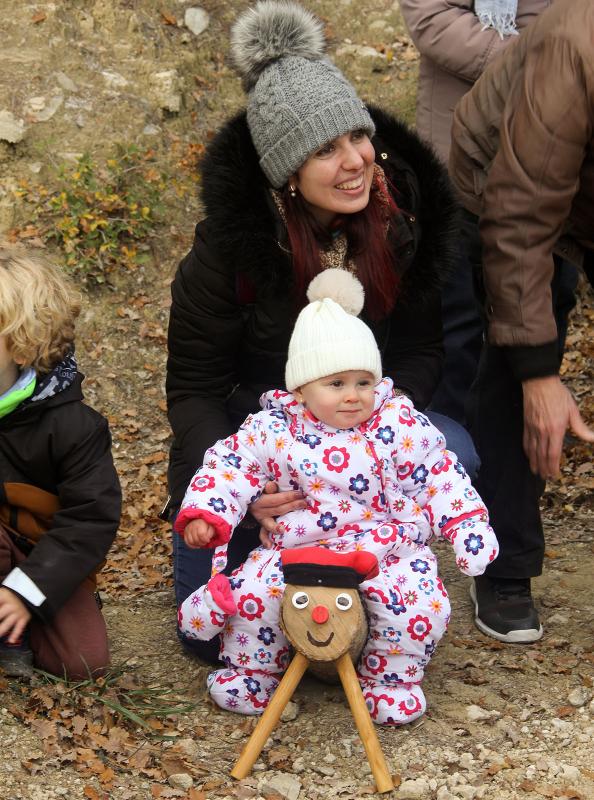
[(220, 589)]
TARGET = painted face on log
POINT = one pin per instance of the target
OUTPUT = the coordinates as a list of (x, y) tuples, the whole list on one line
[(321, 621)]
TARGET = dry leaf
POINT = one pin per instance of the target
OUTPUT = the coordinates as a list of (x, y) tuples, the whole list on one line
[(168, 18), (38, 16)]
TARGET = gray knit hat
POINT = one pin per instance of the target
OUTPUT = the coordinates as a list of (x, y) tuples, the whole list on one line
[(297, 99)]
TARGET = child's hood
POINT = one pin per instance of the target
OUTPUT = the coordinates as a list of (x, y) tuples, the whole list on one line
[(285, 402)]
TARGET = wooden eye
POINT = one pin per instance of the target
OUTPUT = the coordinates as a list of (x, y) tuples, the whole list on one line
[(300, 600), (343, 601)]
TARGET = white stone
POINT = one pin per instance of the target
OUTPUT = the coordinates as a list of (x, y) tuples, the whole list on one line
[(66, 82), (288, 786), (114, 79), (290, 712), (443, 793), (570, 773), (579, 696), (197, 20), (165, 86), (476, 713), (181, 780), (11, 129), (50, 108), (557, 619), (417, 789)]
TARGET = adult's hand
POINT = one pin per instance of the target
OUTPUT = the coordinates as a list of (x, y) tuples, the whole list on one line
[(271, 504), (549, 410)]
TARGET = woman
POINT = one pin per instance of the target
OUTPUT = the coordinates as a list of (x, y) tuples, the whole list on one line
[(308, 177)]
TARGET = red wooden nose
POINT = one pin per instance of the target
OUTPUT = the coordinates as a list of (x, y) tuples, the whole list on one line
[(320, 614)]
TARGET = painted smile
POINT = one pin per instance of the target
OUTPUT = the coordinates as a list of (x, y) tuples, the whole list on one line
[(320, 644)]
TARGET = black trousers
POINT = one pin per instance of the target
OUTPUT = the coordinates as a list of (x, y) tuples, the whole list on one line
[(496, 420)]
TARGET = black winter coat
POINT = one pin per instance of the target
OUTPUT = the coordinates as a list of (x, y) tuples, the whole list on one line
[(228, 343), (59, 488)]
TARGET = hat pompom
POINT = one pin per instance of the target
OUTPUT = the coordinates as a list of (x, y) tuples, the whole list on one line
[(271, 31), (338, 285)]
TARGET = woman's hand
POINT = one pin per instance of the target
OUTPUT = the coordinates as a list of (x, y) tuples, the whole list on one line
[(198, 533), (14, 616), (271, 504)]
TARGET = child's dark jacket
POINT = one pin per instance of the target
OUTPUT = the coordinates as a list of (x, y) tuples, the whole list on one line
[(58, 489)]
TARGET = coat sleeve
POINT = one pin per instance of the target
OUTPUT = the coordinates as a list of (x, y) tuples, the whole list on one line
[(232, 476), (436, 481), (205, 329), (449, 33), (84, 528), (545, 132)]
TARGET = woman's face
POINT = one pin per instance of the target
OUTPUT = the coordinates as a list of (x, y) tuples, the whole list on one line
[(337, 178)]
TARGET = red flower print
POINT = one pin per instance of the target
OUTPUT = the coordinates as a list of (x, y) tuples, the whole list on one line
[(385, 534), (404, 417), (250, 607), (406, 469), (218, 619), (442, 465), (419, 627), (202, 482), (349, 529), (372, 702), (274, 472), (376, 595), (410, 706), (375, 664), (336, 459)]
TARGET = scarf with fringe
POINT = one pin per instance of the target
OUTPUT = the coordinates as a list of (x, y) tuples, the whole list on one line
[(498, 14)]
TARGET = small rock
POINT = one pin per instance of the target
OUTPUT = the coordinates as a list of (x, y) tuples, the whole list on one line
[(49, 109), (476, 713), (181, 780), (66, 82), (197, 20), (443, 793), (466, 761), (165, 86), (290, 712), (114, 79), (298, 765), (35, 167), (11, 129), (557, 619), (570, 773), (151, 130), (288, 786), (189, 747), (579, 696), (413, 790)]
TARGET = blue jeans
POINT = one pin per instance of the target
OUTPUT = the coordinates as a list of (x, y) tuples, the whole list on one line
[(192, 568)]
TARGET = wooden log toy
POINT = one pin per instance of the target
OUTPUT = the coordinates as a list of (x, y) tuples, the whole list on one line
[(323, 618)]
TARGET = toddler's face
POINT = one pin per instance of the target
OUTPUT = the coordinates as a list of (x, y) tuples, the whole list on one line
[(342, 400), (8, 369)]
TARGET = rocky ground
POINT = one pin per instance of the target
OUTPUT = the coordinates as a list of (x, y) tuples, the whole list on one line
[(503, 722)]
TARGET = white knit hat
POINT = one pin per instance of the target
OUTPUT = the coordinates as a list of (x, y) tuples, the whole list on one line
[(328, 336)]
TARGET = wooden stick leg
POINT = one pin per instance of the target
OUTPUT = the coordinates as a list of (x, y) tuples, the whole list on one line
[(375, 756), (270, 717)]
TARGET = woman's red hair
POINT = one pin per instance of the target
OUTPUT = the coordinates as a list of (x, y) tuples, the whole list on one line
[(368, 246)]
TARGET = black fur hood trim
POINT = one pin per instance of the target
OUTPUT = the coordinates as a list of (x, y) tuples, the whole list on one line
[(243, 225)]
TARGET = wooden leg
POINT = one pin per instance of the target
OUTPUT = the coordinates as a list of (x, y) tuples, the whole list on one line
[(360, 712), (270, 717)]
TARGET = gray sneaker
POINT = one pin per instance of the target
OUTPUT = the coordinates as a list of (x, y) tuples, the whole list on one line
[(504, 609)]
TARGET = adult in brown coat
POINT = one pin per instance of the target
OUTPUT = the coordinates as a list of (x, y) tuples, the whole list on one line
[(456, 46), (523, 160)]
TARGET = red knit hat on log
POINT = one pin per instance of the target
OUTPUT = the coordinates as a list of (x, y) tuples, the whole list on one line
[(318, 566)]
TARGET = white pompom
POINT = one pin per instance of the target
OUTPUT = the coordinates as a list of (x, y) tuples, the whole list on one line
[(273, 30), (338, 285)]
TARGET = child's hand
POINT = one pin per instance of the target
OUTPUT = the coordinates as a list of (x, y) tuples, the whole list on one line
[(198, 533), (14, 616)]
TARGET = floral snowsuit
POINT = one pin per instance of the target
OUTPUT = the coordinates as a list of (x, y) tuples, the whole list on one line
[(387, 487)]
